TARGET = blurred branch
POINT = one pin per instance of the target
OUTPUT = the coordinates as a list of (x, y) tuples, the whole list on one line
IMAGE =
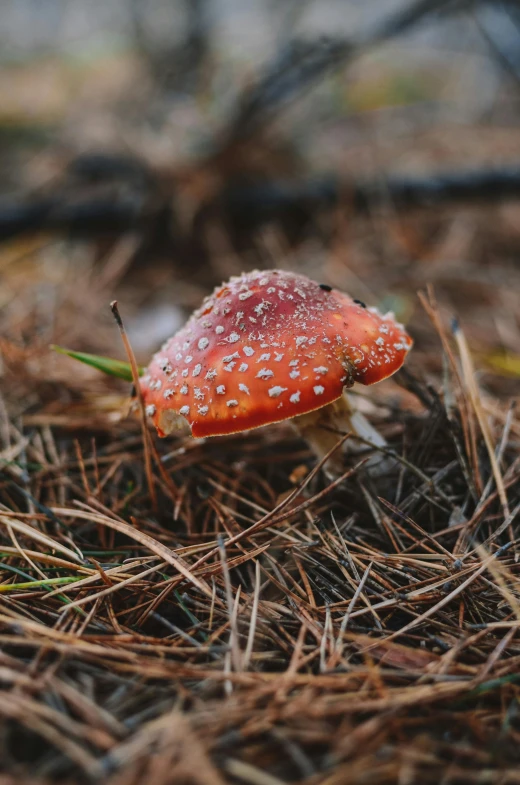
[(301, 63), (94, 168), (94, 216), (257, 202), (174, 66), (508, 63), (270, 198)]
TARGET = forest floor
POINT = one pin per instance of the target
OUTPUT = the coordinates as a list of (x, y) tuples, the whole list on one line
[(245, 620)]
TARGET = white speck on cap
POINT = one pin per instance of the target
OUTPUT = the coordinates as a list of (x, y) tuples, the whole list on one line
[(243, 367), (278, 356), (294, 374), (229, 367), (221, 389), (232, 338), (167, 394), (219, 329), (184, 410), (320, 369), (264, 373), (274, 392), (184, 389), (185, 372), (203, 409), (383, 328), (150, 410), (248, 351), (294, 362), (243, 388), (229, 357), (197, 370), (264, 358), (261, 307), (188, 358), (300, 339), (380, 341), (295, 397), (245, 296), (210, 374), (199, 395), (203, 343), (232, 402), (319, 389)]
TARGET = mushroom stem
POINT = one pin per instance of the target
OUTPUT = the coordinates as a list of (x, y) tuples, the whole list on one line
[(171, 422), (322, 427)]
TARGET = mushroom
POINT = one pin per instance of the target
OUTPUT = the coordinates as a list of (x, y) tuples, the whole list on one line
[(269, 346)]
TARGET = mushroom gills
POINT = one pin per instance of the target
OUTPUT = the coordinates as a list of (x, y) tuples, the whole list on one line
[(323, 427)]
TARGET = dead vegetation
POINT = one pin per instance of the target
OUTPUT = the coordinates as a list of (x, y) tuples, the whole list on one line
[(247, 621)]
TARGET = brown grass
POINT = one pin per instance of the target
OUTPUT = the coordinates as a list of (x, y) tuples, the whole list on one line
[(258, 625)]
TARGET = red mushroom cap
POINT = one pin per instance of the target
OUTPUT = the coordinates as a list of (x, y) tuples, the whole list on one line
[(265, 347)]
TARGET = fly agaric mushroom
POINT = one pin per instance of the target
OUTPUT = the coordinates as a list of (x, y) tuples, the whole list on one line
[(270, 346)]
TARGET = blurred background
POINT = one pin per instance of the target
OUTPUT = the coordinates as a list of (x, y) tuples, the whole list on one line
[(151, 148)]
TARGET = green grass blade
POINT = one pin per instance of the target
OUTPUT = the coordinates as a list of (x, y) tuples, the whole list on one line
[(7, 587), (108, 365), (487, 686)]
